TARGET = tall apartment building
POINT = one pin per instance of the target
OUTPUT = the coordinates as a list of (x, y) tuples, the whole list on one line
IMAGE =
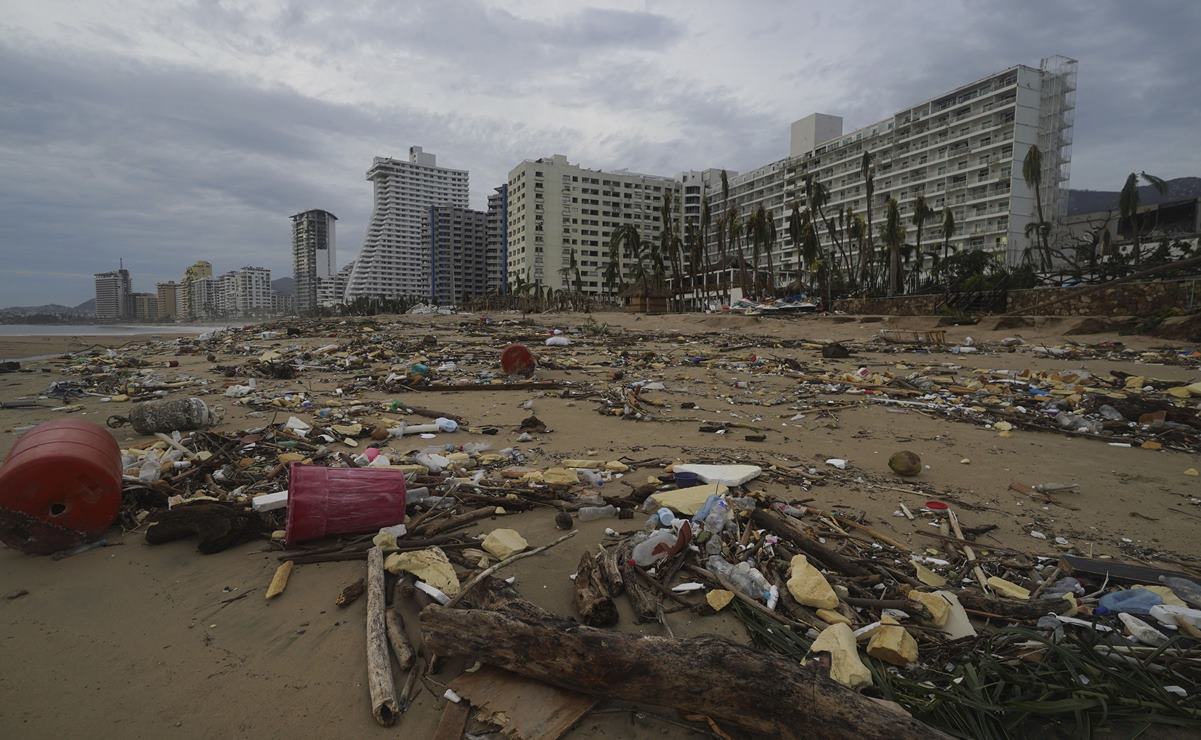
[(244, 292), (112, 295), (168, 300), (394, 261), (457, 240), (695, 186), (557, 208), (314, 255), (498, 239), (143, 307), (200, 270), (202, 299), (962, 150)]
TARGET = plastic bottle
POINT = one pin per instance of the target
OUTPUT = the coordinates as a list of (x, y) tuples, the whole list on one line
[(743, 577), (151, 467), (743, 503), (1187, 590), (591, 499), (789, 510), (1066, 585), (644, 553), (719, 514), (1132, 601), (706, 508), (1167, 615), (589, 513), (591, 477), (661, 518)]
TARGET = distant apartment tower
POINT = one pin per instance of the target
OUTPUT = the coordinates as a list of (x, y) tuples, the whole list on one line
[(143, 307), (331, 291), (168, 300), (696, 187), (498, 239), (245, 292), (457, 239), (200, 270), (963, 150), (112, 295), (394, 261), (314, 255), (557, 209)]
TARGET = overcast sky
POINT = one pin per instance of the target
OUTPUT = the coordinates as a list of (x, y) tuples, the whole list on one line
[(164, 132)]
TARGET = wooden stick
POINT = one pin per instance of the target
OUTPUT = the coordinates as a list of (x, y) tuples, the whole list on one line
[(968, 551), (532, 386), (379, 665), (460, 520), (592, 600), (280, 580), (402, 648), (512, 558)]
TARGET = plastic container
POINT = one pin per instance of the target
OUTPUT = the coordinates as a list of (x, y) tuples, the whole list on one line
[(591, 513), (1131, 601), (743, 577), (66, 473), (175, 415), (789, 510), (516, 359), (654, 548), (330, 501)]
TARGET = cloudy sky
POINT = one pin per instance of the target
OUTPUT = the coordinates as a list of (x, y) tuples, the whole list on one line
[(164, 132)]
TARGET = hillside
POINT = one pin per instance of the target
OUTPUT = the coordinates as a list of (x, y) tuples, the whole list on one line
[(284, 286), (1090, 201)]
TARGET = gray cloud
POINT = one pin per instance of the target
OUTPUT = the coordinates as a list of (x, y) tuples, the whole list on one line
[(163, 134)]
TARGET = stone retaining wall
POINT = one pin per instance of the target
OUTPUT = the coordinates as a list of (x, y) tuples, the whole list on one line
[(1123, 299)]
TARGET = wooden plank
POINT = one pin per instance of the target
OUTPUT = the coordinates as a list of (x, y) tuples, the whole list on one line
[(522, 707)]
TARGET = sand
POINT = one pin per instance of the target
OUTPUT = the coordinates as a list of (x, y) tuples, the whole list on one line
[(136, 641)]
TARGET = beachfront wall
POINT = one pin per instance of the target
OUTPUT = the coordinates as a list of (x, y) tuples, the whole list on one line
[(1124, 299)]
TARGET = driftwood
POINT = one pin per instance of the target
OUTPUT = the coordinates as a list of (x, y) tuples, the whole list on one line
[(789, 529), (761, 692), (606, 563), (435, 526), (642, 598), (592, 600), (379, 664), (402, 648), (1012, 610)]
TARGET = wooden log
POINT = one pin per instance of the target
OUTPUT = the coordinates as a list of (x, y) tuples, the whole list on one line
[(642, 598), (592, 600), (279, 581), (436, 526), (1015, 610), (402, 648), (606, 563), (379, 665), (787, 528), (761, 692)]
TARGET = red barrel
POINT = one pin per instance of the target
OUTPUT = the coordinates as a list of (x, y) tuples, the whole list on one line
[(323, 502), (517, 360), (66, 473)]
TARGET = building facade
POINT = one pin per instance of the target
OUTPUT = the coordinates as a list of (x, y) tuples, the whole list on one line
[(962, 150), (112, 295), (457, 241), (331, 291), (394, 261), (561, 217), (143, 307), (314, 255), (200, 270), (498, 239), (168, 300)]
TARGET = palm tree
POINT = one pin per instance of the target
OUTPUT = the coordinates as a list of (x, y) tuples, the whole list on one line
[(625, 238), (921, 212), (893, 235), (734, 230), (795, 231), (1032, 173), (757, 230), (948, 231), (670, 245), (869, 187), (702, 238), (723, 231), (771, 245), (1128, 203)]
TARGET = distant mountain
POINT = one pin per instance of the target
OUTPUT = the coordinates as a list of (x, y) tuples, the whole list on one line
[(284, 286), (1091, 201), (87, 308)]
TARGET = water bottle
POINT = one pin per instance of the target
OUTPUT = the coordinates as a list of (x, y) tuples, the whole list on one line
[(719, 514), (661, 518), (1187, 590), (589, 513), (151, 467), (1133, 601), (1067, 585), (743, 577), (654, 548), (704, 510), (591, 477)]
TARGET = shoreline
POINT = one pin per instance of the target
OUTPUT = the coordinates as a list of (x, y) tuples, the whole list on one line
[(49, 346)]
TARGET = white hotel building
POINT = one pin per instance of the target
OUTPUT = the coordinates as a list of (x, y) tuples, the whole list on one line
[(556, 208), (962, 149), (395, 260)]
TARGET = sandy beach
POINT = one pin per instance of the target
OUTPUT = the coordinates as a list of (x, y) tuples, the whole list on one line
[(134, 640)]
